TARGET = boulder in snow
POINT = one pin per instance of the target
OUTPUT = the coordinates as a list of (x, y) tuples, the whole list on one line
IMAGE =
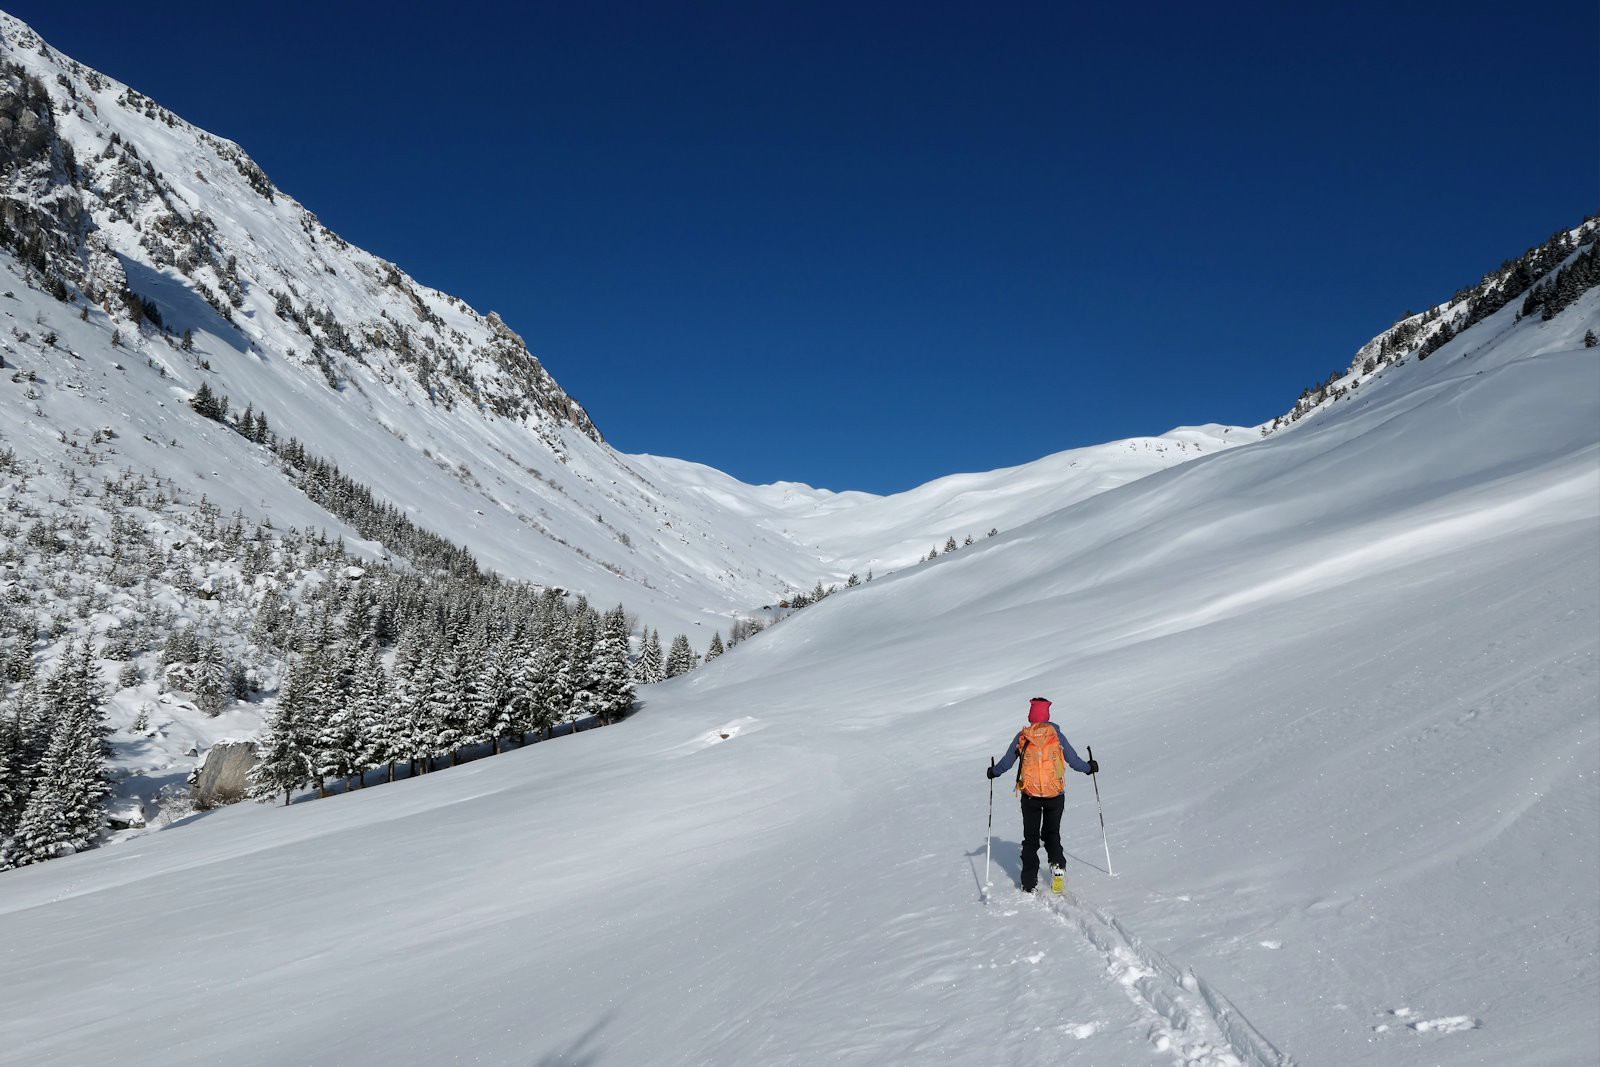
[(223, 776)]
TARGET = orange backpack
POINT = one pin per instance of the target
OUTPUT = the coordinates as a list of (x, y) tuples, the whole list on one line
[(1042, 770)]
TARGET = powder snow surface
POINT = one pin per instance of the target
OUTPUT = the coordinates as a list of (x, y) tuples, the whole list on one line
[(1342, 683)]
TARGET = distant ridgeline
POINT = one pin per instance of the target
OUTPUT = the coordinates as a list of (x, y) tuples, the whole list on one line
[(1546, 280)]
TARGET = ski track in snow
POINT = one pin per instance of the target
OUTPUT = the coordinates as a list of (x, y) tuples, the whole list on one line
[(1189, 1017)]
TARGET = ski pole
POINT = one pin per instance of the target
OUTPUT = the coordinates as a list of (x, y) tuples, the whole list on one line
[(989, 835), (1095, 778)]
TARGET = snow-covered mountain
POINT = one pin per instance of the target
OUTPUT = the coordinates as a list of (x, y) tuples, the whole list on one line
[(1341, 683), (176, 263), (1341, 680), (150, 271)]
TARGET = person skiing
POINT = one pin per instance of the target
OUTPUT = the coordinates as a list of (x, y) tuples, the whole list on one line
[(1041, 782)]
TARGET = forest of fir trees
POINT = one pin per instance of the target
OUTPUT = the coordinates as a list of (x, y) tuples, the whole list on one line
[(379, 669)]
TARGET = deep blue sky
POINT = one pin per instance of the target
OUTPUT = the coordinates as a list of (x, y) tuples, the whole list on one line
[(865, 245)]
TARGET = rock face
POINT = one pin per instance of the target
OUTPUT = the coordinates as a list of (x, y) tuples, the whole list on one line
[(223, 776)]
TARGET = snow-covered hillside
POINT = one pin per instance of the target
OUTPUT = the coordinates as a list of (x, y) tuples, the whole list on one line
[(175, 263), (1341, 683), (858, 532), (145, 263)]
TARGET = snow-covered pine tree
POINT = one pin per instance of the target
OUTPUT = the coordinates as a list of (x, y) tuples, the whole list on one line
[(651, 666), (371, 703), (212, 685), (448, 701), (11, 794), (613, 689), (181, 647), (581, 669), (415, 668), (482, 678), (526, 682), (33, 730), (84, 716), (264, 630), (500, 681), (333, 728), (340, 741), (64, 812), (715, 649), (360, 616), (558, 687), (287, 749), (680, 660), (42, 831)]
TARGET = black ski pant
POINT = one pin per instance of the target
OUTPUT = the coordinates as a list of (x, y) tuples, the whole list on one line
[(1041, 817)]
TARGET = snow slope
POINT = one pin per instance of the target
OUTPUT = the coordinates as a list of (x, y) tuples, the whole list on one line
[(857, 531), (1342, 682)]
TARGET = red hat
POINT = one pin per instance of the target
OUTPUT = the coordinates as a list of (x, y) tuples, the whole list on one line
[(1038, 710)]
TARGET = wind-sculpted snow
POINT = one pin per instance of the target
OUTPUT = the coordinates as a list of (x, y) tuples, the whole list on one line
[(1340, 683)]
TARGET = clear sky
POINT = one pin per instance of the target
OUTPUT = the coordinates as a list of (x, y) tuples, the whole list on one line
[(866, 245)]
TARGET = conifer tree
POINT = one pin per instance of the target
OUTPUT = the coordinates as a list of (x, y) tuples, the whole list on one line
[(448, 702), (12, 796), (287, 749), (581, 661), (212, 686), (650, 667), (498, 682), (33, 729), (680, 660), (526, 678), (714, 649), (416, 664), (340, 743), (64, 809), (613, 688), (482, 678), (327, 715), (559, 687), (372, 707)]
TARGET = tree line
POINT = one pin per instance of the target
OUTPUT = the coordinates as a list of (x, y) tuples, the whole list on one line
[(408, 664)]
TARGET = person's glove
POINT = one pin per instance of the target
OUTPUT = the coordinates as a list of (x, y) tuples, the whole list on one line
[(1094, 768), (988, 772)]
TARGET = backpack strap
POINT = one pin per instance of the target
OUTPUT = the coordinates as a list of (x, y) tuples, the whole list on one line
[(1022, 744)]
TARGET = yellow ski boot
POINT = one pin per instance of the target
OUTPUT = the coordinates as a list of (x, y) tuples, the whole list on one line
[(1058, 879)]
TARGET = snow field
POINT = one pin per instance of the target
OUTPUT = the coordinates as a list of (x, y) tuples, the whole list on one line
[(1388, 771), (1341, 683)]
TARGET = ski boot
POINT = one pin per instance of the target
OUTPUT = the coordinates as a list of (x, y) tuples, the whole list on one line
[(1058, 878)]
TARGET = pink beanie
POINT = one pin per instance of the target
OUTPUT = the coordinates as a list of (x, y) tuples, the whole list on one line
[(1038, 710)]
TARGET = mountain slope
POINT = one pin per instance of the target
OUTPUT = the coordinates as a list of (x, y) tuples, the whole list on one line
[(1341, 682), (175, 263)]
